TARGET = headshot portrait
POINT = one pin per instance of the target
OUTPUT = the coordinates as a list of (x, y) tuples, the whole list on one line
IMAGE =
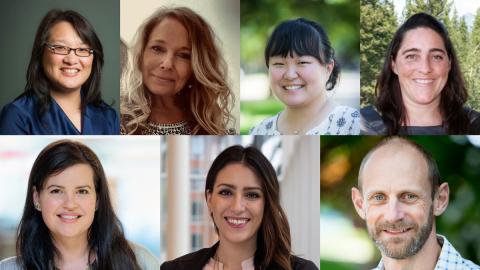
[(243, 193), (181, 75), (414, 212), (424, 83), (303, 71), (62, 58), (72, 215)]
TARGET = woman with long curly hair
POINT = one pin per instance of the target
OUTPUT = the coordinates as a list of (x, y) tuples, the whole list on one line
[(175, 79), (242, 194)]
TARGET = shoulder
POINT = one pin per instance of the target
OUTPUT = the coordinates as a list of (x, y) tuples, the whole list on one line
[(266, 127), (145, 258), (371, 122), (450, 258), (342, 120), (9, 264), (474, 119), (103, 108), (16, 116), (302, 264), (194, 260)]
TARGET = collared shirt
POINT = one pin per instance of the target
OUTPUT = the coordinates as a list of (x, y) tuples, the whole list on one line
[(449, 258)]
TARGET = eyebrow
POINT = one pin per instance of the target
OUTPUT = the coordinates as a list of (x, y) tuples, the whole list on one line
[(234, 187), (62, 187), (161, 41), (418, 50)]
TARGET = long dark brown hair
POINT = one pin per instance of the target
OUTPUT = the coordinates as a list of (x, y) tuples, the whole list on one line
[(35, 248), (273, 238), (453, 96)]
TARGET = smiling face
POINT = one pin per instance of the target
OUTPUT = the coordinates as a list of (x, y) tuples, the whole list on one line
[(298, 80), (422, 65), (396, 200), (67, 73), (237, 204), (67, 202), (166, 65)]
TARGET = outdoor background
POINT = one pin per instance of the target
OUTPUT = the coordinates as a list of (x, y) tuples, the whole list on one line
[(379, 19), (132, 169), (340, 19), (458, 159)]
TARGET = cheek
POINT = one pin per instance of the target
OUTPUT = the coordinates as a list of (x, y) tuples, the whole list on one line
[(275, 75), (184, 70)]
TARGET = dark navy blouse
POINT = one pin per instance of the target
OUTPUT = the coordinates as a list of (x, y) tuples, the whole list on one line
[(20, 117)]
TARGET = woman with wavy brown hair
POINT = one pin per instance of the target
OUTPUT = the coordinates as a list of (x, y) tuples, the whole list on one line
[(175, 81), (421, 90), (242, 194)]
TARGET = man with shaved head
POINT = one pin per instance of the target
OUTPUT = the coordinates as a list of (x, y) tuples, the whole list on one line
[(398, 195)]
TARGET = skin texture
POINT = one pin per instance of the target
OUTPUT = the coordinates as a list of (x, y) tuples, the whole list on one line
[(305, 73), (56, 66), (166, 65), (68, 193), (398, 208), (237, 194), (422, 66)]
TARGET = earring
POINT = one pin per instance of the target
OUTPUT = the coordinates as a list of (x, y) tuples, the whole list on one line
[(189, 86), (37, 206)]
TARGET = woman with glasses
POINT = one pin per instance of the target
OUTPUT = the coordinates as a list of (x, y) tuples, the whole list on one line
[(68, 220), (62, 93)]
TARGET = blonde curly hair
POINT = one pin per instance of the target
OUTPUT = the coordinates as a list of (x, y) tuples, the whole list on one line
[(209, 99)]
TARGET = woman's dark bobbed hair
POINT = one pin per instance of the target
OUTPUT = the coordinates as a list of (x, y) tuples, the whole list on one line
[(273, 238), (35, 248), (453, 96), (303, 37), (37, 81)]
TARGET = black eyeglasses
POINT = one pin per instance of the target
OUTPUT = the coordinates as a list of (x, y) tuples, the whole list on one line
[(64, 50)]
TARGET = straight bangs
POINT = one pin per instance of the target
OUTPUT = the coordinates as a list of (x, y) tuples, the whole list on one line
[(294, 37)]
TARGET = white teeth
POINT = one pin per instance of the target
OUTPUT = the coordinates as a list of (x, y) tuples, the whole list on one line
[(70, 71), (68, 217), (423, 81), (292, 87), (237, 221)]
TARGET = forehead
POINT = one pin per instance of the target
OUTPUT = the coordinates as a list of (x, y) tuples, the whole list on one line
[(170, 31), (395, 168), (238, 175), (73, 176), (64, 31), (422, 38)]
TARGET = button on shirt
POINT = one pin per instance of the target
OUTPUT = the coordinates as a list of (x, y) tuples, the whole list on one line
[(449, 258)]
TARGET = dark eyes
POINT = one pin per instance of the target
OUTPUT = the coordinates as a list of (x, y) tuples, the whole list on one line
[(412, 57), (225, 192), (59, 191), (248, 195), (159, 49)]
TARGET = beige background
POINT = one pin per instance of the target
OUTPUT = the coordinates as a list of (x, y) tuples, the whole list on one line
[(223, 16)]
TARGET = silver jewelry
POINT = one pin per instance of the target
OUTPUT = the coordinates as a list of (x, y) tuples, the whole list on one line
[(189, 86)]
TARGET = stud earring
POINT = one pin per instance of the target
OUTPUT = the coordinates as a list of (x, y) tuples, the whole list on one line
[(189, 86), (37, 206)]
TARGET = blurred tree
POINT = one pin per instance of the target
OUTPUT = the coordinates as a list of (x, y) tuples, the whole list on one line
[(377, 26), (472, 71)]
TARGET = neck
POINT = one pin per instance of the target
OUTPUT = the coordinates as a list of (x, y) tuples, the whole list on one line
[(165, 110), (71, 100), (301, 119), (423, 115), (233, 254), (426, 258), (73, 253)]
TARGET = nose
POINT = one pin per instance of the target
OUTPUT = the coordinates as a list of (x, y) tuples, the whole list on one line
[(167, 61), (238, 204), (425, 65), (291, 72), (394, 211), (71, 58), (70, 202)]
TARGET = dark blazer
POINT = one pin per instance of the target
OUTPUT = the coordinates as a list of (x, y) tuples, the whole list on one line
[(197, 260)]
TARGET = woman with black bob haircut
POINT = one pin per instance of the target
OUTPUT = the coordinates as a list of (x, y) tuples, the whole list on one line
[(242, 194), (68, 221), (62, 94), (302, 68), (421, 89)]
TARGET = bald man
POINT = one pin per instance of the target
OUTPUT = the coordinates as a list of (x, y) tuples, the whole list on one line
[(399, 195)]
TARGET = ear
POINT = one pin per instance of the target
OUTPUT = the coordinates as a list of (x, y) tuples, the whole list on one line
[(36, 199), (357, 199), (209, 200), (330, 67), (440, 201), (393, 66)]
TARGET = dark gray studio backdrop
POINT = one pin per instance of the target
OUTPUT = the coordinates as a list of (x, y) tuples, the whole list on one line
[(18, 24)]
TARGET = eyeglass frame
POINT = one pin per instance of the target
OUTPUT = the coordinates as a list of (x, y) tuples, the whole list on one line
[(52, 47)]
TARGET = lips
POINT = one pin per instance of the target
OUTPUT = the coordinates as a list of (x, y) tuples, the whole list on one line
[(69, 218), (293, 87), (397, 231), (70, 71), (237, 222), (423, 81)]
